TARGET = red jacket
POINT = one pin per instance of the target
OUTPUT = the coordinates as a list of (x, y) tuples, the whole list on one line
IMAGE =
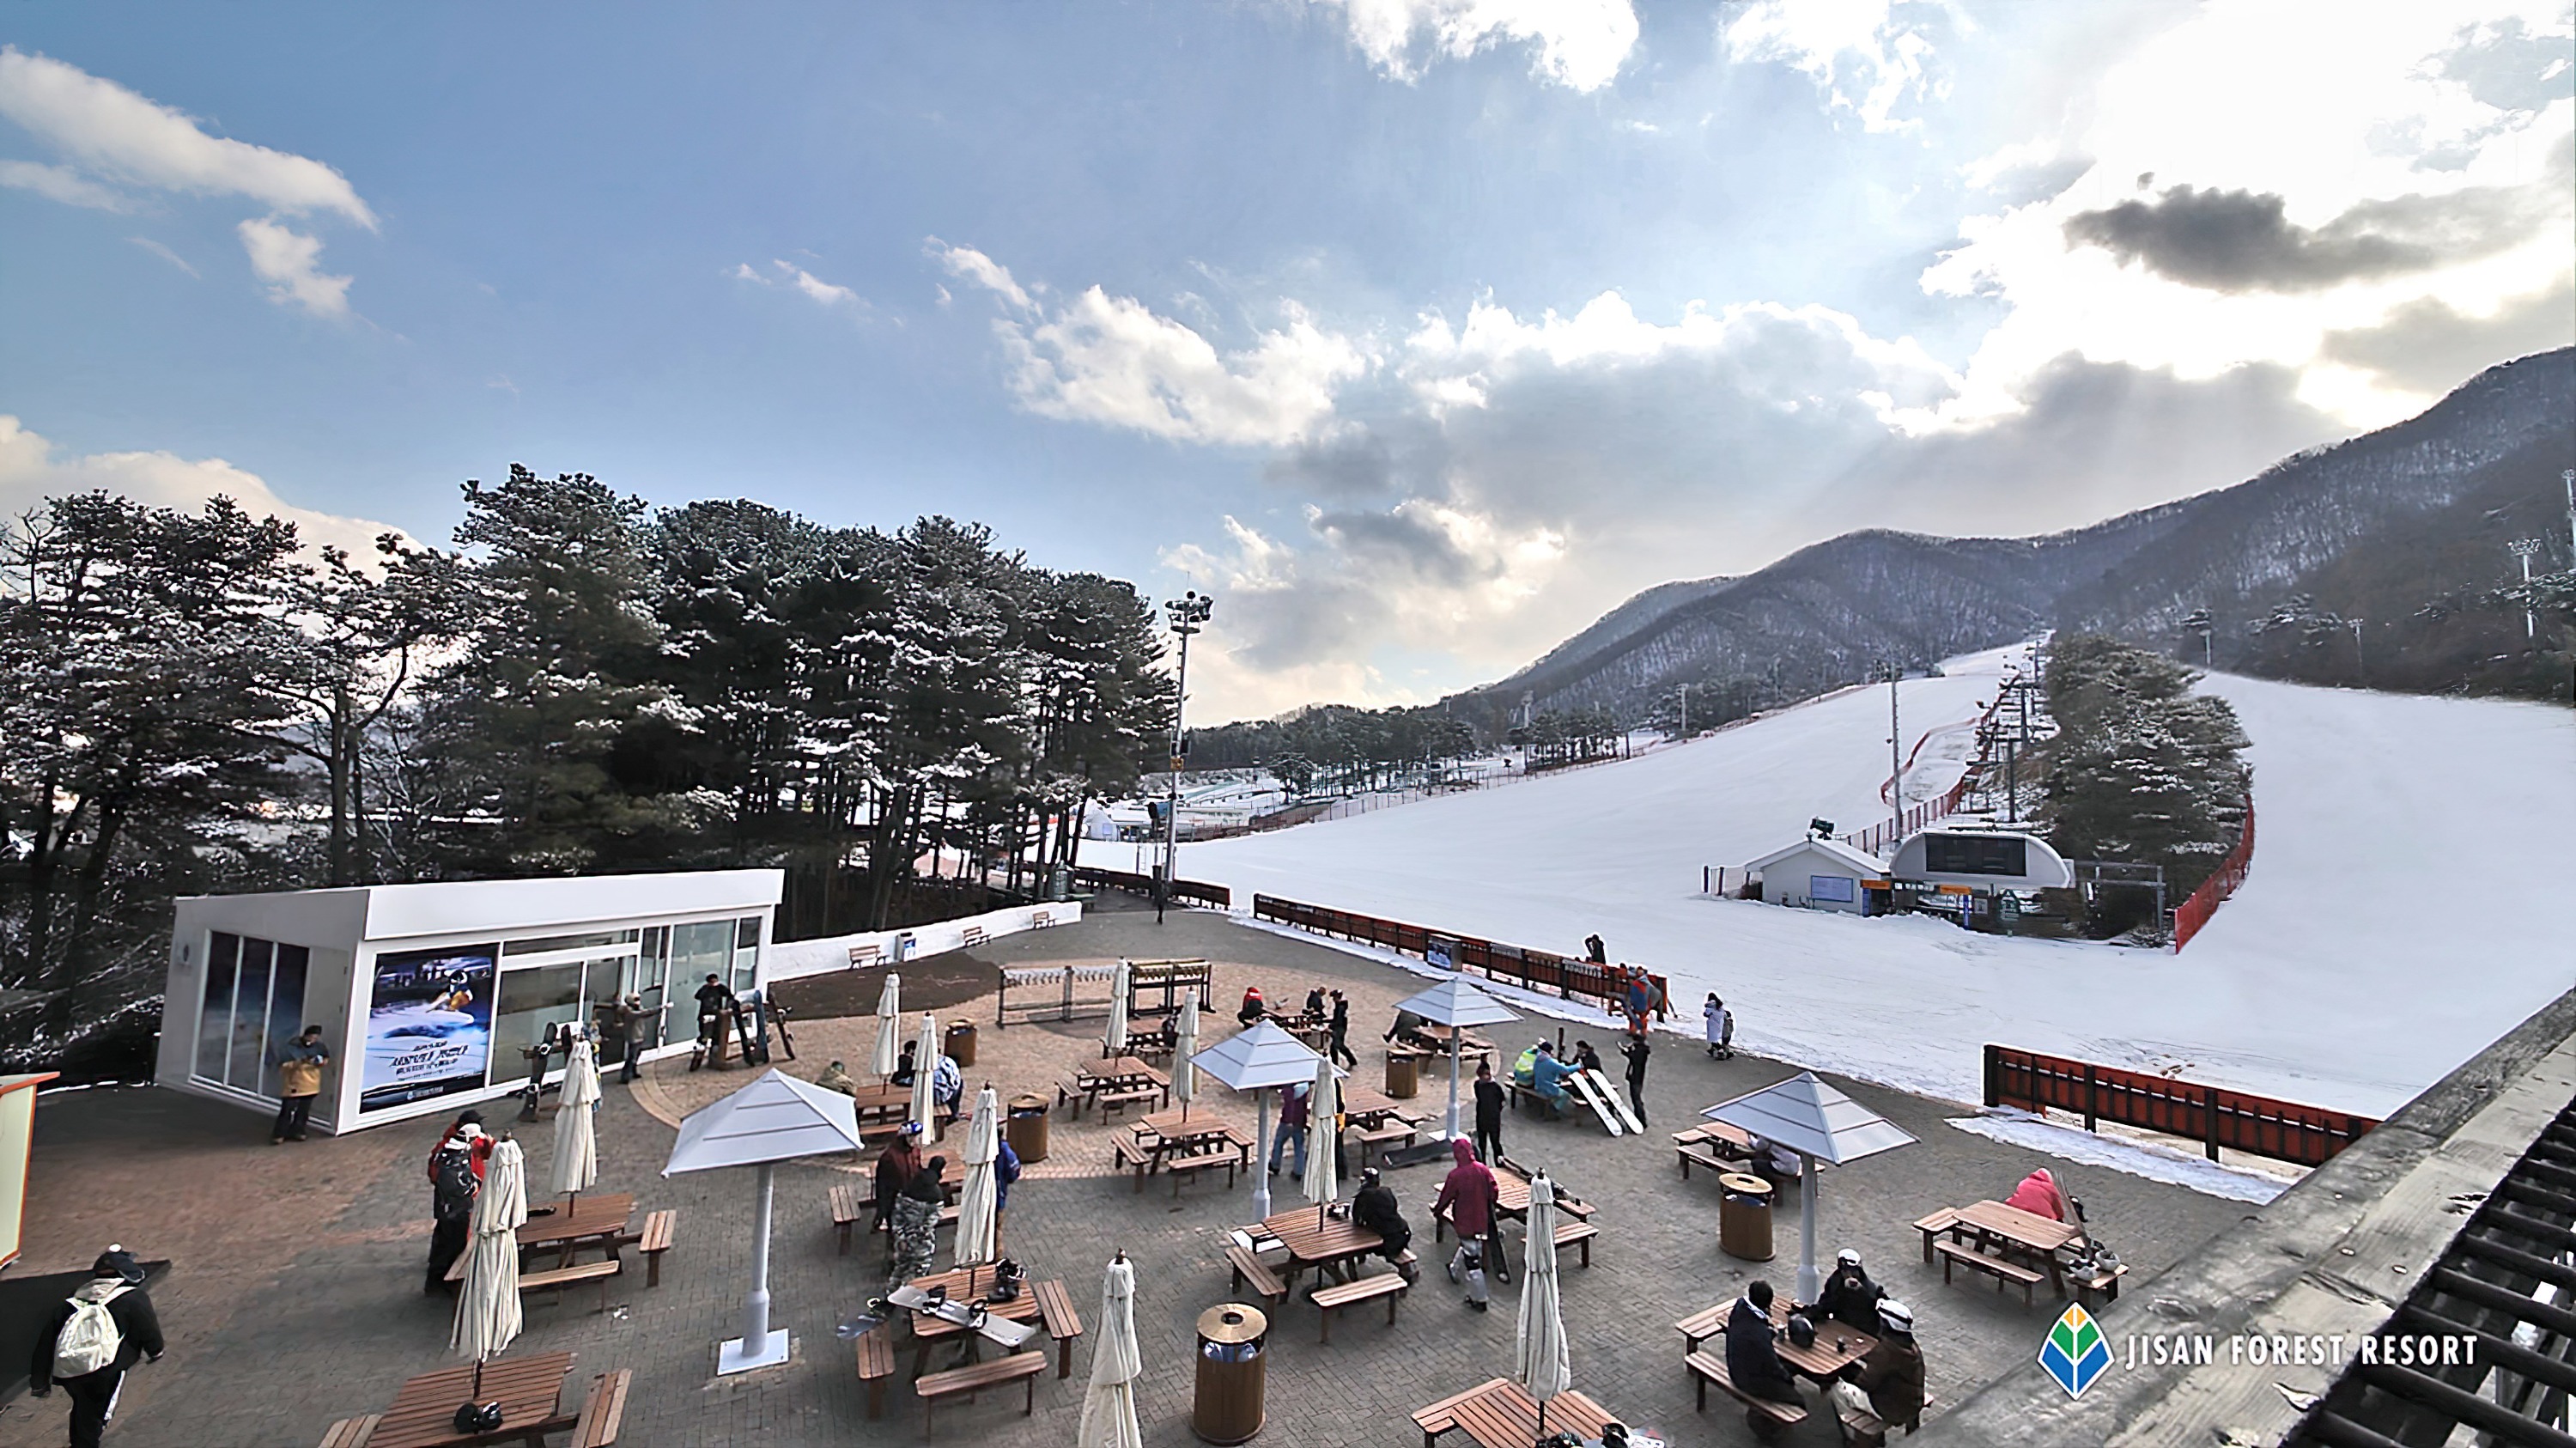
[(1468, 1193)]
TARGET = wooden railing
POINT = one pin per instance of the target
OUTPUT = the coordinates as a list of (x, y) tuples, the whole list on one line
[(1184, 892), (2211, 1115), (1536, 970)]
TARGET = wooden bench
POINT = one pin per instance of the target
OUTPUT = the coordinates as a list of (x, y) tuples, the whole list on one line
[(1136, 1146), (556, 1279), (1190, 1166), (1865, 1429), (1441, 1416), (1251, 1271), (352, 1432), (659, 1230), (2004, 1273), (2104, 1286), (849, 1204), (1944, 1220), (1328, 1300), (1574, 1234), (603, 1411), (1109, 1101), (1055, 1309), (1699, 1327), (1019, 1367), (1708, 1368), (876, 1364)]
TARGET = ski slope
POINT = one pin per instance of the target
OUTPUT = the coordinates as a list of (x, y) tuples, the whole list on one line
[(2404, 907)]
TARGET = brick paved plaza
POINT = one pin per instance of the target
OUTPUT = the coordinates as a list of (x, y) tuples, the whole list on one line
[(294, 1297)]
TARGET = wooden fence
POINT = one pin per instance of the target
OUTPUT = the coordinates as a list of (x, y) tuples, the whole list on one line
[(1184, 892), (2211, 1115), (1536, 970)]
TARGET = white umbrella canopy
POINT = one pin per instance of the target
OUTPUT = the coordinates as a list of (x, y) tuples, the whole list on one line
[(487, 1305), (889, 1026), (1821, 1124), (1542, 1366), (1109, 1406), (1457, 1005), (1121, 980), (925, 1062), (977, 1199), (1185, 1044), (1323, 1181), (1254, 1060), (577, 1122)]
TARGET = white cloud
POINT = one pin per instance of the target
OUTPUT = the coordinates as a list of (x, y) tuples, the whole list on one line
[(783, 274), (1114, 362), (290, 263), (1860, 53), (1580, 43), (63, 184), (30, 472), (112, 132), (163, 252)]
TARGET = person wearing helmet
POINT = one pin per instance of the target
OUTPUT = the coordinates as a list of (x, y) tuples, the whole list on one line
[(1887, 1384), (115, 1327), (1849, 1297), (1377, 1209)]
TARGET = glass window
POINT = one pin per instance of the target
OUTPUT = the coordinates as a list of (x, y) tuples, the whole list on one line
[(215, 1023), (285, 1010), (746, 953), (1834, 888), (250, 1015), (531, 1000), (699, 951)]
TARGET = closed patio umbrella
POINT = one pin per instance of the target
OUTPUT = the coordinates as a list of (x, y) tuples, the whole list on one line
[(1109, 1405), (976, 1200), (1323, 1180), (487, 1303), (1185, 1044), (889, 1026), (1542, 1365), (577, 1122), (1121, 980), (925, 1062)]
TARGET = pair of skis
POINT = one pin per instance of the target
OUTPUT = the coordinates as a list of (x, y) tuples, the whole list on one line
[(1606, 1102)]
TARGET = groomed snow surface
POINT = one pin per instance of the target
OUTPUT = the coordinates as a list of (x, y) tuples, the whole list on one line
[(2406, 904)]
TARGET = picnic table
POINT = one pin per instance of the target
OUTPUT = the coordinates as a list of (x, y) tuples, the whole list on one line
[(1168, 1140), (1712, 1144), (1435, 1038), (1502, 1414), (1330, 1248), (1044, 1302), (2026, 1238), (1116, 1080), (593, 1220), (1368, 1109), (882, 1103), (1838, 1345), (423, 1414)]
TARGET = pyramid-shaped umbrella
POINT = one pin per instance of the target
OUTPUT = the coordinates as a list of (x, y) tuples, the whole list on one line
[(1457, 1005), (1255, 1060), (776, 1118), (1820, 1124)]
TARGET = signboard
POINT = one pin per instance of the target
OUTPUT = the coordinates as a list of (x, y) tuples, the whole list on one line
[(1440, 951), (429, 1025), (1835, 888)]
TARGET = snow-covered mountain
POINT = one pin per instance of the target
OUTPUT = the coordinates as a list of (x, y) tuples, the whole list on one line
[(1827, 613)]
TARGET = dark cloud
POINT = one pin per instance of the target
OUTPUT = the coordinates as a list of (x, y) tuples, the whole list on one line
[(2426, 347), (1401, 540), (1355, 464), (2244, 241)]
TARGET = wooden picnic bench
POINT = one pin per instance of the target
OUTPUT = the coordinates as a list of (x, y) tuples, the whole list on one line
[(876, 1364), (2096, 1288), (850, 1203), (1019, 1367), (2005, 1273), (1250, 1271), (1865, 1429), (1182, 1168), (1707, 1368), (352, 1432), (1944, 1220), (1331, 1299), (1055, 1310), (1393, 1134), (580, 1274), (1501, 1414), (1714, 1145), (1125, 1096), (1570, 1233), (603, 1411)]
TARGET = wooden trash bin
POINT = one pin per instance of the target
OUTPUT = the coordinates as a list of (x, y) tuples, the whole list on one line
[(1403, 1073), (1744, 1216), (1024, 1126), (1233, 1373), (959, 1044)]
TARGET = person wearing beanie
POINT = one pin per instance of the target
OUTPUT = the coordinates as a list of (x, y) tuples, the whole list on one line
[(1376, 1208), (1888, 1382), (115, 1287), (455, 1179)]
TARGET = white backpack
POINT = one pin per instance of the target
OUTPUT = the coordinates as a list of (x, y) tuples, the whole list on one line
[(90, 1340)]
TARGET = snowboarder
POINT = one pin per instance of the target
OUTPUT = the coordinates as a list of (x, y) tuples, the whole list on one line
[(916, 1222), (455, 1177), (1467, 1195), (1636, 1051), (1721, 1028), (93, 1338)]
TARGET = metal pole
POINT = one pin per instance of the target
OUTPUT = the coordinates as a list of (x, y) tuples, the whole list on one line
[(1808, 1283), (1260, 1154), (1172, 818), (1895, 754), (1453, 1083)]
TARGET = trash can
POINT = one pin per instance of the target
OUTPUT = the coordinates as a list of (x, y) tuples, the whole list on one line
[(1025, 1128), (960, 1042), (1744, 1216), (1403, 1072), (1232, 1373)]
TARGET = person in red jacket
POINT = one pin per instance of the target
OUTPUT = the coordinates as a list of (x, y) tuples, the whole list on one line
[(1467, 1198)]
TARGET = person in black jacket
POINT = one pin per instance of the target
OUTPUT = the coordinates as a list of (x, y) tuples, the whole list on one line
[(1752, 1359), (1376, 1209), (1489, 1114), (116, 1281), (1636, 1051), (1341, 1043), (1849, 1297)]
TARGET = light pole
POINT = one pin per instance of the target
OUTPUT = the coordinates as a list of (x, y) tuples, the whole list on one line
[(1189, 614), (2523, 548), (1895, 760), (2360, 671)]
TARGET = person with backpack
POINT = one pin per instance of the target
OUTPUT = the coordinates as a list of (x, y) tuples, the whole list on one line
[(299, 1084), (455, 1179), (94, 1337), (1721, 1028)]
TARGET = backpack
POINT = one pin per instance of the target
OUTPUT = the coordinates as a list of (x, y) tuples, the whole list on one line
[(453, 1186), (89, 1341)]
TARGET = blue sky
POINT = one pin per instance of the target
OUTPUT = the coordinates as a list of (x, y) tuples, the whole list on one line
[(1420, 331)]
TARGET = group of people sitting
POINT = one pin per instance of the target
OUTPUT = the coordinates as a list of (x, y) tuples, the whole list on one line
[(1886, 1382), (947, 1080)]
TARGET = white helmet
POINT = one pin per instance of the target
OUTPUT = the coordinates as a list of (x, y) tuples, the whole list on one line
[(1896, 1315)]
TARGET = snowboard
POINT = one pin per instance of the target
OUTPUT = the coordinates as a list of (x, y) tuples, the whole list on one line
[(1591, 1094), (1610, 1093)]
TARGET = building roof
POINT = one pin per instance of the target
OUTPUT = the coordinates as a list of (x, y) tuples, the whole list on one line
[(449, 907), (1871, 867)]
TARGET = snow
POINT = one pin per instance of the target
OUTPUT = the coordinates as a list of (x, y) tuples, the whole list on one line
[(2155, 1162), (2403, 910)]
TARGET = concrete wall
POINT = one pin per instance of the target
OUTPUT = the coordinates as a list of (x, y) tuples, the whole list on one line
[(1785, 882), (817, 957)]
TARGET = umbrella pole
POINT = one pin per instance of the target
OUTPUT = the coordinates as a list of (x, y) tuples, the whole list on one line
[(1807, 1283), (1261, 1155), (755, 1308), (1453, 1083)]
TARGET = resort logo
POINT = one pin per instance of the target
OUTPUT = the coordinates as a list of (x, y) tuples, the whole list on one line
[(2076, 1354)]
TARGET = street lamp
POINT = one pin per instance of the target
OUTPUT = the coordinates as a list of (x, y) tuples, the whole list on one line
[(2523, 548), (1189, 614)]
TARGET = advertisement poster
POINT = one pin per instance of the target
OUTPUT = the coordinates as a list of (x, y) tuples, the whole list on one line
[(429, 1025)]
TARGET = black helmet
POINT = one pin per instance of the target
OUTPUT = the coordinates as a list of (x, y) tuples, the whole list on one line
[(1801, 1331), (477, 1418)]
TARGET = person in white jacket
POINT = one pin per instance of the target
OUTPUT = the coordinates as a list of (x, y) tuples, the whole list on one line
[(1721, 1028)]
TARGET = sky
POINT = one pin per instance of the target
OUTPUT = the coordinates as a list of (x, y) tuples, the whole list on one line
[(1417, 332)]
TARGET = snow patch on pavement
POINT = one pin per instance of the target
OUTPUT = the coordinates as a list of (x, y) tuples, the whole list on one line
[(2138, 1159)]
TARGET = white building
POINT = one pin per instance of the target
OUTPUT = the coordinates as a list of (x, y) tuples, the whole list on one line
[(427, 994), (1820, 874), (1981, 859)]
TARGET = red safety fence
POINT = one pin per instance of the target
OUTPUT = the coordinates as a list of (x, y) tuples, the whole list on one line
[(1887, 834), (2213, 892), (2211, 1115), (1529, 969), (1184, 892)]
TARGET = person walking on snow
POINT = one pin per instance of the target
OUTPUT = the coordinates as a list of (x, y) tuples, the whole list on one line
[(93, 1338), (1721, 1028), (1636, 1051), (1467, 1195)]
